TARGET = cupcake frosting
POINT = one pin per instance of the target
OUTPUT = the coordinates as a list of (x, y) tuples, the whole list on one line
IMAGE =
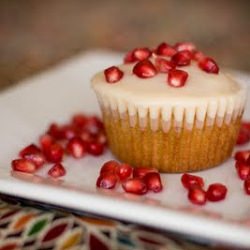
[(210, 97)]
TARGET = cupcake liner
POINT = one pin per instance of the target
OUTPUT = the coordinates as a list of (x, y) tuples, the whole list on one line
[(202, 112), (179, 149)]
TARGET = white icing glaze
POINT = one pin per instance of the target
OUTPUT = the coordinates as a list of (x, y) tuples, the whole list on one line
[(215, 96)]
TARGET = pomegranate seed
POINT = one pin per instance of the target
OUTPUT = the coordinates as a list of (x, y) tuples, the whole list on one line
[(76, 147), (142, 171), (57, 170), (94, 138), (197, 196), (163, 65), (37, 159), (129, 57), (247, 186), (68, 132), (79, 120), (30, 149), (141, 54), (109, 167), (23, 165), (124, 171), (113, 74), (46, 141), (153, 182), (165, 50), (185, 46), (243, 136), (216, 192), (93, 125), (106, 181), (177, 78), (144, 69), (190, 181), (209, 65), (87, 136), (198, 56), (95, 148), (182, 58), (243, 170), (242, 155), (54, 153), (55, 131), (102, 138), (34, 154), (135, 186)]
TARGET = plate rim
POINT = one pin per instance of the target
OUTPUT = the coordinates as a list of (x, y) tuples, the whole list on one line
[(228, 233)]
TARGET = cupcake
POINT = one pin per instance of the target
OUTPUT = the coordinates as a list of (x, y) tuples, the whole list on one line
[(170, 108)]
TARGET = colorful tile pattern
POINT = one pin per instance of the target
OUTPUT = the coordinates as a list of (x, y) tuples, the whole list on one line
[(25, 227)]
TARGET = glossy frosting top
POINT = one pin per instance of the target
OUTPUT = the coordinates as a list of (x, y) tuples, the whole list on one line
[(155, 90)]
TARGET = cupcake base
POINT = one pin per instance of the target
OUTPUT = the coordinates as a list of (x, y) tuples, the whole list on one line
[(178, 150)]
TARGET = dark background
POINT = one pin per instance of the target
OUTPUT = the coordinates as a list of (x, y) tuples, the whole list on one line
[(35, 34)]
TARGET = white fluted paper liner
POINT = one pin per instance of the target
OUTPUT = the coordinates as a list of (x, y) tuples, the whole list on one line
[(212, 110)]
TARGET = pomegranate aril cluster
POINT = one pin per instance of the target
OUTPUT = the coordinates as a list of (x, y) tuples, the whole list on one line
[(242, 158), (83, 135), (164, 59), (133, 180), (197, 193), (242, 165)]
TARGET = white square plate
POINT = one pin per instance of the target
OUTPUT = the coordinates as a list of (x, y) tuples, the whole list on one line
[(55, 95)]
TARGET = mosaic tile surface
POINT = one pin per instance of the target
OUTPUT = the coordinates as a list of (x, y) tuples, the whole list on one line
[(43, 228)]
